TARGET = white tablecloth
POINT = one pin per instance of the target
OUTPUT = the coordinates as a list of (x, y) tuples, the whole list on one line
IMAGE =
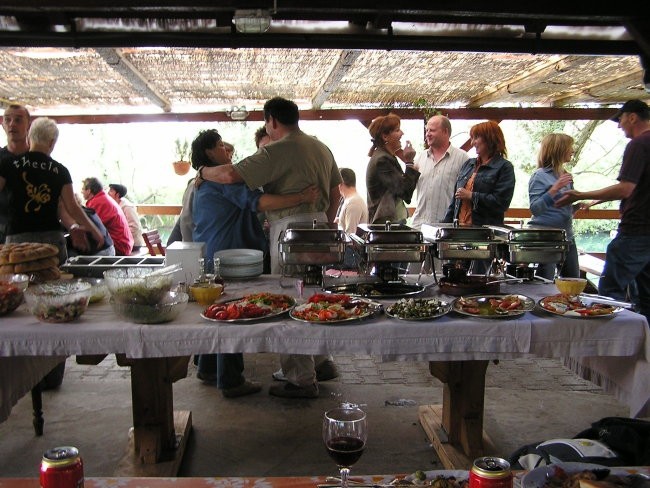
[(620, 345)]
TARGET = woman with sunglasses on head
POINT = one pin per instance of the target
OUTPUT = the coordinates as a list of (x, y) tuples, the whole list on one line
[(389, 187)]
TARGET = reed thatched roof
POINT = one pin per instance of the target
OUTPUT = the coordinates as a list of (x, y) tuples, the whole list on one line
[(183, 57)]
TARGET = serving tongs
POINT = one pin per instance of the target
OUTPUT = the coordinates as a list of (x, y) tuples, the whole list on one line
[(605, 300), (172, 268), (152, 279)]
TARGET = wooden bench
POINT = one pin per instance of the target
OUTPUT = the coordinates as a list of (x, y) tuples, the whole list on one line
[(590, 264), (151, 239)]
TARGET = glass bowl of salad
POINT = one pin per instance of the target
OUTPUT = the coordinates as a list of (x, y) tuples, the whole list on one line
[(58, 301)]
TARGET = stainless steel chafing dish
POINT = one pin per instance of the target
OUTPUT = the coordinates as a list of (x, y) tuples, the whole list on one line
[(461, 242), (312, 243), (393, 243), (532, 244)]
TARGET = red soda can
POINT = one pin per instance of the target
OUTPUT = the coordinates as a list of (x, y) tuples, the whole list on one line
[(490, 472), (62, 467)]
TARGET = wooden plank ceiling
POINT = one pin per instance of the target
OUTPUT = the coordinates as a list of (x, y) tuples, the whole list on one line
[(187, 57)]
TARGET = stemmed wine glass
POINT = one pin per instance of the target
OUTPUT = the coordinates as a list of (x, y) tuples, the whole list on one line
[(345, 432)]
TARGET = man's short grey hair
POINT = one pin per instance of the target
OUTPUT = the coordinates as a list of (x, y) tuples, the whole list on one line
[(43, 131)]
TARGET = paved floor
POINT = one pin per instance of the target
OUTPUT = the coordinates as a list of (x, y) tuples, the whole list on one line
[(526, 400)]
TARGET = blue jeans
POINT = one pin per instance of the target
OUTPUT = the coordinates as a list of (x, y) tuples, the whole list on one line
[(627, 263), (229, 368)]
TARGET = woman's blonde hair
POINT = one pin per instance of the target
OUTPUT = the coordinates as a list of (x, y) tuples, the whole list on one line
[(553, 151), (384, 124)]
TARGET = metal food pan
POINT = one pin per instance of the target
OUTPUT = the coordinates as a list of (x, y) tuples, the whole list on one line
[(465, 250), (311, 254), (395, 253), (394, 237), (530, 252)]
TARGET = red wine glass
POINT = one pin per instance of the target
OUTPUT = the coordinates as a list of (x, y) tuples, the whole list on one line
[(345, 432)]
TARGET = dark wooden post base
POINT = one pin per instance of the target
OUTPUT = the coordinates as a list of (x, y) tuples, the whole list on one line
[(155, 442), (456, 428)]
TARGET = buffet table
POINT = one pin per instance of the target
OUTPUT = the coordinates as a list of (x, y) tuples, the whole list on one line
[(250, 482), (615, 350)]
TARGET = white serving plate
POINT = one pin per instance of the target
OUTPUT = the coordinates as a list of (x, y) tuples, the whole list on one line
[(242, 271), (231, 257)]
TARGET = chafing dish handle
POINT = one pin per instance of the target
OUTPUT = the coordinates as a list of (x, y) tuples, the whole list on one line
[(528, 247), (466, 247), (357, 239)]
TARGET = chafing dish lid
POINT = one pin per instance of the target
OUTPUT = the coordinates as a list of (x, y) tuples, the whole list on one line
[(312, 233), (389, 234), (461, 233), (529, 233)]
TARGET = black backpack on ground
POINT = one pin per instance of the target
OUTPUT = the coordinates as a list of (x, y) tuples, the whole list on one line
[(630, 438), (612, 441)]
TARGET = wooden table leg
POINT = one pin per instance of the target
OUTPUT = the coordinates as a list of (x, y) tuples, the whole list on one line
[(155, 425), (456, 429)]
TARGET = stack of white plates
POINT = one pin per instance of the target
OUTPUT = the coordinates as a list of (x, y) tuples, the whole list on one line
[(240, 263)]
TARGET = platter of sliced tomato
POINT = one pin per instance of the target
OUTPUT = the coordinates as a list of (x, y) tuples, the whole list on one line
[(493, 306), (334, 309), (249, 308), (576, 307)]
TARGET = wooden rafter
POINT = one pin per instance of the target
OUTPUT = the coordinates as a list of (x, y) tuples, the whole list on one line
[(117, 61), (342, 66), (365, 116), (597, 89), (521, 82), (639, 29)]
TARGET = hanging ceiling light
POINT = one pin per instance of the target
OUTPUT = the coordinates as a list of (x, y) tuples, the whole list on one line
[(253, 21), (238, 113)]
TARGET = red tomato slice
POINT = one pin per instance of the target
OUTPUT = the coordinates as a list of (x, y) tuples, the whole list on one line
[(233, 311)]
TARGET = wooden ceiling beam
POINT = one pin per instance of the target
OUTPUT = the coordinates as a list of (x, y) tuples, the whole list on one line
[(299, 9), (521, 82), (345, 62), (597, 89), (639, 29), (511, 113), (116, 60), (318, 40)]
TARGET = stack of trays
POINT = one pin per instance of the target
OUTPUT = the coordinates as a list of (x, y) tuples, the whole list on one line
[(240, 263)]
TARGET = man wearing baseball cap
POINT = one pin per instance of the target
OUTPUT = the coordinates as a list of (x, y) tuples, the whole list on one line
[(628, 254)]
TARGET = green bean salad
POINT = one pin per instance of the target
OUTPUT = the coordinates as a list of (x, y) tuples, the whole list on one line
[(417, 308)]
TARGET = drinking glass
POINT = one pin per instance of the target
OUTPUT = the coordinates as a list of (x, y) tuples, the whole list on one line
[(345, 432)]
